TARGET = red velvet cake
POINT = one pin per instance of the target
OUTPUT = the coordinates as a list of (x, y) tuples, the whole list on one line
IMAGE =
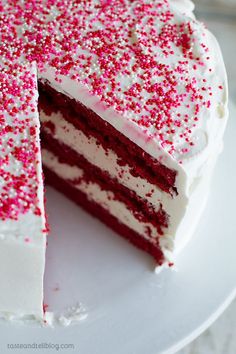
[(131, 97)]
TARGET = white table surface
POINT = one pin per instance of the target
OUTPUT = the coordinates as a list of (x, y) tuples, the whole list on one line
[(220, 338)]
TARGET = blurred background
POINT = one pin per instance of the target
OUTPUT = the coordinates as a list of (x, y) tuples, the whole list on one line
[(220, 18)]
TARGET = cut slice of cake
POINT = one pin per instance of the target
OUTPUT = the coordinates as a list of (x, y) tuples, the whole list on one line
[(132, 106)]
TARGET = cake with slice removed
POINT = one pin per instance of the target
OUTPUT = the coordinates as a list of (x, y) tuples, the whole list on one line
[(132, 101)]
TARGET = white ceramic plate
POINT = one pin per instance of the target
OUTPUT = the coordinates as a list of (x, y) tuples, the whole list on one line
[(131, 310)]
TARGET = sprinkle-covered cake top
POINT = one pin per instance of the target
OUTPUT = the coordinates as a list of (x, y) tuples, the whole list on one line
[(19, 141), (147, 61), (144, 59)]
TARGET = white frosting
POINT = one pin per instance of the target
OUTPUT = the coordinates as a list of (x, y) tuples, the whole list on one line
[(207, 135), (184, 6), (168, 242), (100, 196), (210, 127), (22, 241), (183, 216), (70, 316), (22, 268), (106, 160), (23, 271)]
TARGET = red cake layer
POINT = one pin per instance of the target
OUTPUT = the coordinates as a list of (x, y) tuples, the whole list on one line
[(140, 208), (91, 124), (99, 212)]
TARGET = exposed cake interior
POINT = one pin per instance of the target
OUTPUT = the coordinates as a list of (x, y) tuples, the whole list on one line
[(87, 121), (103, 171)]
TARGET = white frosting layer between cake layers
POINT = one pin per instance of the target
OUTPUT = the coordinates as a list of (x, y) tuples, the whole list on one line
[(95, 193), (106, 160), (119, 210)]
